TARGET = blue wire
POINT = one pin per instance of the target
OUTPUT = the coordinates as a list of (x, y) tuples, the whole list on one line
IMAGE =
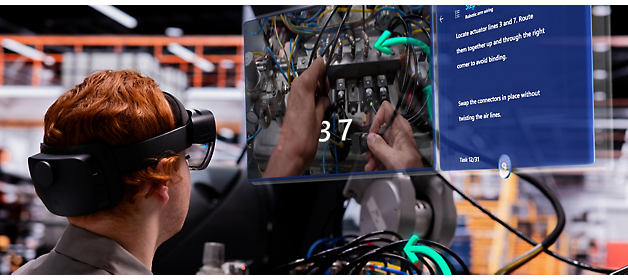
[(311, 24), (415, 8), (258, 31), (335, 240), (325, 152), (388, 269), (278, 66), (335, 151), (389, 9), (318, 242), (253, 136), (295, 43), (314, 16)]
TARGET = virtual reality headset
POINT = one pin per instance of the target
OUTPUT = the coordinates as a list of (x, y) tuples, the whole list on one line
[(84, 179)]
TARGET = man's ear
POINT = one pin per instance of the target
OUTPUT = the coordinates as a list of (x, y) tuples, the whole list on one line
[(162, 189)]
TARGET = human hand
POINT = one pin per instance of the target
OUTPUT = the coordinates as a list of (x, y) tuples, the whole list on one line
[(301, 128), (398, 149)]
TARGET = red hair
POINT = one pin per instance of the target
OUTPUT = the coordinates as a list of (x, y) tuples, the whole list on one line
[(117, 108)]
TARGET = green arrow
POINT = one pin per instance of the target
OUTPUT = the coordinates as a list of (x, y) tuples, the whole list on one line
[(383, 43), (378, 44), (410, 249)]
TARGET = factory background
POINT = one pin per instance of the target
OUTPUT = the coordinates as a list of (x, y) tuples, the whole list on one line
[(196, 52)]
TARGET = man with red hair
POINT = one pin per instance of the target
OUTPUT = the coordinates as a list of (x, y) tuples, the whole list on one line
[(122, 109)]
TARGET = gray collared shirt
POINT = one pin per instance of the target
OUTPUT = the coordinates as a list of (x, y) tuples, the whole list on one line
[(80, 251)]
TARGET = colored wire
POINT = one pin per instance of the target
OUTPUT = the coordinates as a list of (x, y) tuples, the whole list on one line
[(521, 260), (326, 29), (314, 16), (334, 251), (342, 238), (320, 36), (334, 43), (324, 154), (339, 144), (258, 53), (275, 60), (389, 9), (253, 136), (340, 10), (315, 244), (296, 41), (261, 27), (388, 269), (419, 31), (289, 79)]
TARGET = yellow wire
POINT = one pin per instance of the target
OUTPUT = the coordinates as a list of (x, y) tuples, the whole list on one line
[(318, 22), (341, 144), (292, 52), (389, 265), (520, 260), (258, 53), (419, 31), (281, 45), (260, 170)]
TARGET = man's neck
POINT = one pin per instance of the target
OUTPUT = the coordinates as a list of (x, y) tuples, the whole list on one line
[(138, 238)]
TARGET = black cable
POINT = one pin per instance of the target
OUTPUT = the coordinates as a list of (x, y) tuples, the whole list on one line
[(549, 239), (242, 155), (395, 246), (621, 271), (323, 267), (357, 265), (333, 44), (435, 245), (407, 263), (418, 17), (427, 34), (408, 47), (323, 254), (521, 235), (560, 213), (320, 34), (329, 260)]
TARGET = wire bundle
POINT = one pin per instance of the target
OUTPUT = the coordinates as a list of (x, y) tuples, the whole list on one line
[(363, 251)]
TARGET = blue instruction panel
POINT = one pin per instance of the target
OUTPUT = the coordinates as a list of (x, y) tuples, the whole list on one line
[(515, 81)]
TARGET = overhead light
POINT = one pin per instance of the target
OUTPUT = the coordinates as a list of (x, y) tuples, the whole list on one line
[(191, 57), (27, 51), (227, 64), (601, 11), (600, 47), (117, 15), (174, 32), (600, 74)]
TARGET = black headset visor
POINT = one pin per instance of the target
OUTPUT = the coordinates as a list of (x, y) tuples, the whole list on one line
[(84, 179)]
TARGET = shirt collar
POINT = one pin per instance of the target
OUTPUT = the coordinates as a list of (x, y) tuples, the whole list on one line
[(99, 251)]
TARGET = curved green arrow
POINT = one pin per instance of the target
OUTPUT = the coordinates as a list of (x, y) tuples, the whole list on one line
[(410, 250), (378, 44), (383, 43)]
